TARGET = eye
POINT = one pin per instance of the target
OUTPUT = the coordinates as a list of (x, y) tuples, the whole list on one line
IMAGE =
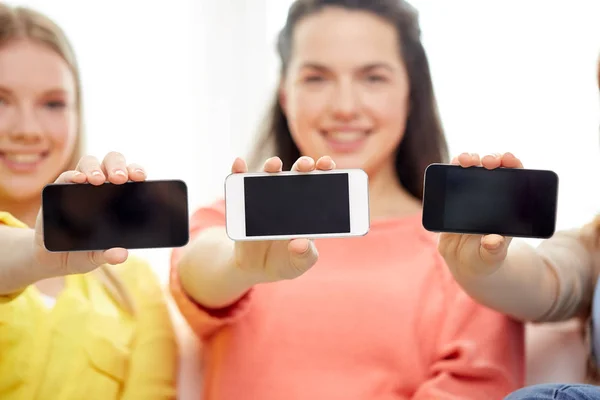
[(55, 104), (376, 78), (313, 79)]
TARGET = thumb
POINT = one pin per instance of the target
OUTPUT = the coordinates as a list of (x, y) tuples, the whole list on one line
[(493, 248), (112, 256), (303, 254)]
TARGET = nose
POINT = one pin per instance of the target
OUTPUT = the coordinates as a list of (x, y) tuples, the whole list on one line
[(345, 104), (25, 126)]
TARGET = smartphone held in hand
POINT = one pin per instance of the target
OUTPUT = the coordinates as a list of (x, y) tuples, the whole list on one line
[(134, 215), (504, 201), (288, 205)]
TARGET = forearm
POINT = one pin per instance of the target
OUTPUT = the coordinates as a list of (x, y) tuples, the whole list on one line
[(17, 267), (550, 283), (208, 271), (524, 286)]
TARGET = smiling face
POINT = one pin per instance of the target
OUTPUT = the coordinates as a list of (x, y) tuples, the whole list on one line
[(38, 118), (346, 91)]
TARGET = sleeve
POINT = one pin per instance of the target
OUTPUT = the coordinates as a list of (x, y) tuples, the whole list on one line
[(570, 257), (476, 353), (155, 342), (8, 220), (204, 322)]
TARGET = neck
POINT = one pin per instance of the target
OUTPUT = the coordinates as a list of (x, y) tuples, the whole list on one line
[(25, 211), (387, 197)]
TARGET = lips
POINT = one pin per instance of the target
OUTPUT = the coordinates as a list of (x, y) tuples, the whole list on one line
[(22, 161), (345, 141), (346, 137)]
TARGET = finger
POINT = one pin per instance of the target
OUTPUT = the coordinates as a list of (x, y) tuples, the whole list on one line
[(115, 256), (304, 164), (115, 168), (469, 160), (273, 165), (325, 164), (239, 166), (71, 177), (136, 173), (491, 161), (493, 248), (90, 166), (112, 256), (455, 161), (303, 254), (510, 161)]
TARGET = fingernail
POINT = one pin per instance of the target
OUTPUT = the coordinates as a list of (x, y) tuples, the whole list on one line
[(96, 173), (120, 172), (140, 171), (77, 173)]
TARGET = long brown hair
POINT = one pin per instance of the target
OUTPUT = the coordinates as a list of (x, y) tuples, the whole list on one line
[(18, 23), (424, 141)]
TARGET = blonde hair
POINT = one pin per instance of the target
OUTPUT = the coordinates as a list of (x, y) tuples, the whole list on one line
[(18, 23)]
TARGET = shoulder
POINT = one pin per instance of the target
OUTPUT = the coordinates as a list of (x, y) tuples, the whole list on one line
[(8, 219)]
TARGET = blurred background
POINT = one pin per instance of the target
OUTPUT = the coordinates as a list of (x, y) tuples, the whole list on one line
[(181, 87)]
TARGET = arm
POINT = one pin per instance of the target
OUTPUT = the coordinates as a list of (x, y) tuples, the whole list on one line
[(153, 363), (17, 267), (206, 287), (475, 353), (208, 272), (550, 283)]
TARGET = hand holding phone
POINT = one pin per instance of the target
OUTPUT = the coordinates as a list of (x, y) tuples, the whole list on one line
[(477, 243), (113, 169), (271, 216)]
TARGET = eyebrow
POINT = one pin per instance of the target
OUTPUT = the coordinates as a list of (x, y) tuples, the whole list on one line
[(368, 67), (53, 92), (50, 92), (4, 90)]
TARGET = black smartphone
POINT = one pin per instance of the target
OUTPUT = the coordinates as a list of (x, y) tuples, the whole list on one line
[(134, 215), (503, 201)]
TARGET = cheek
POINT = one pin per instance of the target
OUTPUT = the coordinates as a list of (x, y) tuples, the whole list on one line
[(304, 111), (62, 134), (390, 112), (62, 131)]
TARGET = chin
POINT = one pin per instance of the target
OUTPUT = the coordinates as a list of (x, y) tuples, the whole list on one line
[(349, 161), (23, 189)]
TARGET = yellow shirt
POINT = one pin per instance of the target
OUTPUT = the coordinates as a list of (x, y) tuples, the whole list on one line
[(87, 347)]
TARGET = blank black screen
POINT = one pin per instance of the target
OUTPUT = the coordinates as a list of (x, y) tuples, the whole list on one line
[(297, 204), (134, 215), (503, 201)]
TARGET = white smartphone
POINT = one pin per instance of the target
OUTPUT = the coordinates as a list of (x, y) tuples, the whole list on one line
[(288, 205)]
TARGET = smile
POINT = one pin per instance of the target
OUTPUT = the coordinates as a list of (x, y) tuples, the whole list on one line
[(345, 141), (22, 162)]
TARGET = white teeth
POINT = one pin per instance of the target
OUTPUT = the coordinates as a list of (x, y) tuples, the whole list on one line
[(346, 137), (23, 158)]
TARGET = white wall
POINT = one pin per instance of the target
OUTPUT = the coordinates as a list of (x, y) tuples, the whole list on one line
[(180, 88)]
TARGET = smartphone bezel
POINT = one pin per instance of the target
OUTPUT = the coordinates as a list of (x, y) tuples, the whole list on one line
[(434, 199), (358, 190), (52, 249)]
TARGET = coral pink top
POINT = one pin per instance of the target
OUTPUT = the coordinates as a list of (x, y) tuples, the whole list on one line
[(378, 317)]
